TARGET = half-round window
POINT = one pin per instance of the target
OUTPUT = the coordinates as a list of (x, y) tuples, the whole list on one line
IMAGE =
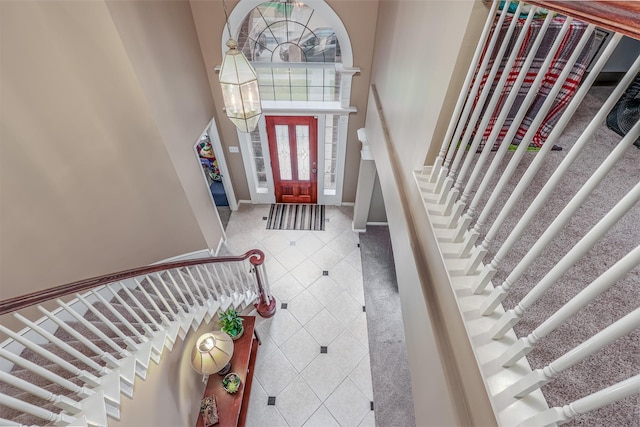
[(294, 51), (287, 32)]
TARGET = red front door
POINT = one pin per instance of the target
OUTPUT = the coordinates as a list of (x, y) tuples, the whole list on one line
[(293, 147)]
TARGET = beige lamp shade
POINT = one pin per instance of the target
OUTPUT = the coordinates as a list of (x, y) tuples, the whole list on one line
[(212, 352)]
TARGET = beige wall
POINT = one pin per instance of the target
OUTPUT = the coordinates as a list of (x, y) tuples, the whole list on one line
[(358, 16), (377, 211), (160, 39), (88, 187), (422, 49)]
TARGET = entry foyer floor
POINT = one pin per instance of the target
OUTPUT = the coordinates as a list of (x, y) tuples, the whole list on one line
[(313, 365)]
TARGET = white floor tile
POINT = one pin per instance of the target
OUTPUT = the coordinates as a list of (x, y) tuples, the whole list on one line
[(277, 242), (274, 373), (325, 258), (275, 270), (358, 329), (369, 420), (343, 245), (309, 244), (346, 274), (347, 404), (286, 288), (290, 257), (301, 349), (345, 308), (259, 414), (354, 259), (361, 377), (325, 289), (321, 418), (347, 352), (297, 402), (281, 327), (304, 307), (324, 327), (323, 376), (307, 272)]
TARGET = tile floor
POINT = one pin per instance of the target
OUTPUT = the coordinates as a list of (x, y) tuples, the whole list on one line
[(312, 368)]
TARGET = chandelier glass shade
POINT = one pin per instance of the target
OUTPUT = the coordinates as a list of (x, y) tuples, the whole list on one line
[(239, 83)]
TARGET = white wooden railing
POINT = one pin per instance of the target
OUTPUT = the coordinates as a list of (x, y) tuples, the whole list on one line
[(462, 192), (121, 325)]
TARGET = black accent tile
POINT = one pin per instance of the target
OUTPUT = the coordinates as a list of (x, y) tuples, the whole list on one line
[(364, 309), (284, 305), (370, 402), (325, 272), (272, 401), (358, 244), (324, 349), (264, 218)]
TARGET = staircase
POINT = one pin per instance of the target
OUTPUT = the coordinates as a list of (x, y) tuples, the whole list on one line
[(71, 366)]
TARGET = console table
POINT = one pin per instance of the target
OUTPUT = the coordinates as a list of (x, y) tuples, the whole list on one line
[(232, 408)]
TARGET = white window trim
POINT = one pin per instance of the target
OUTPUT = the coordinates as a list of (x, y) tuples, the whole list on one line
[(301, 108)]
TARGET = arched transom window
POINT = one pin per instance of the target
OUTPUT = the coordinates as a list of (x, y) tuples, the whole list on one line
[(294, 51)]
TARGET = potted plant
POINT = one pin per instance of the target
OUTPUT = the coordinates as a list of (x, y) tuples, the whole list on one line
[(231, 383), (231, 323)]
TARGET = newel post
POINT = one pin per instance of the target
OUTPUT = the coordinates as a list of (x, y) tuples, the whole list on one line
[(266, 306)]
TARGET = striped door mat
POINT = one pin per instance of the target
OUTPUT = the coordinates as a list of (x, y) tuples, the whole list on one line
[(283, 216)]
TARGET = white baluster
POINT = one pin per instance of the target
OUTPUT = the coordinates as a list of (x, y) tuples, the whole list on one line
[(511, 317), (163, 299), (63, 345), (58, 400), (501, 118), (119, 316), (560, 415), (131, 344), (201, 300), (171, 294), (484, 94), (36, 411), (200, 285), (141, 307), (490, 269), (160, 313), (85, 376), (540, 377), (507, 175), (607, 279), (107, 357), (500, 292), (493, 108), (203, 282), (524, 182), (147, 329), (45, 373), (469, 104), (462, 97), (121, 351), (193, 302), (515, 125)]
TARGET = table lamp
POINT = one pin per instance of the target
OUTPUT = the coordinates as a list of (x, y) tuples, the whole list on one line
[(212, 353)]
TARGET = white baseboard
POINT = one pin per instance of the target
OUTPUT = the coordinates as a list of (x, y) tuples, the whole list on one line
[(378, 223), (202, 253)]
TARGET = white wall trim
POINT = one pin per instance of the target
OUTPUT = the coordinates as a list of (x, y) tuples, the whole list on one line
[(378, 223)]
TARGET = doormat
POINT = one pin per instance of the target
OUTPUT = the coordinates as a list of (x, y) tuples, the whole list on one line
[(284, 216)]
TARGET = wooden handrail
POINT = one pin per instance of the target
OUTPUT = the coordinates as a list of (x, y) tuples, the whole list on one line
[(619, 16), (255, 256)]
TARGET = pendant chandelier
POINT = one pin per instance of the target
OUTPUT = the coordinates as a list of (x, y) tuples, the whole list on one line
[(239, 83)]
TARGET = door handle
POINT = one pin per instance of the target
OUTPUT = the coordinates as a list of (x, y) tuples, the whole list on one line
[(314, 170)]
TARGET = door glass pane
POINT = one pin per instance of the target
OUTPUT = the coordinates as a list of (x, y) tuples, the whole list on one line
[(284, 153), (302, 147)]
